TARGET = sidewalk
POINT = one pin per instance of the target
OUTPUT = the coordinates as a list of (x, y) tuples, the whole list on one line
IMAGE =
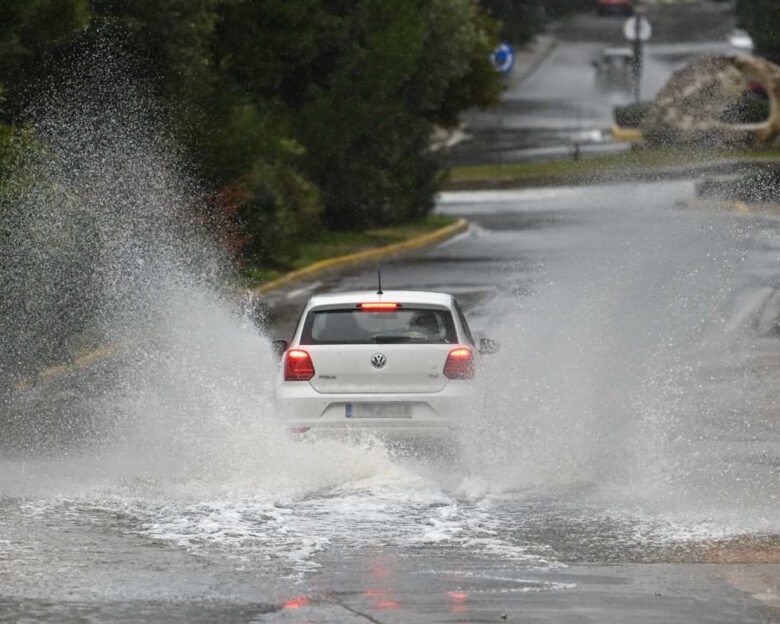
[(529, 58)]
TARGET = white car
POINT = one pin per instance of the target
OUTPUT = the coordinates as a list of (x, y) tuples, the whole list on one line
[(740, 40), (396, 364)]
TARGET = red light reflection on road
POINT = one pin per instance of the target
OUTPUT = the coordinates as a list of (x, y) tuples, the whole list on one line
[(380, 598), (381, 570), (296, 603), (458, 601)]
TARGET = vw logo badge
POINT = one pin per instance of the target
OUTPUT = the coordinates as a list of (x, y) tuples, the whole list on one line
[(378, 360)]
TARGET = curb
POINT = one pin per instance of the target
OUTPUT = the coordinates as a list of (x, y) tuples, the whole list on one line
[(537, 58), (675, 172), (736, 206), (626, 135), (83, 361), (339, 262)]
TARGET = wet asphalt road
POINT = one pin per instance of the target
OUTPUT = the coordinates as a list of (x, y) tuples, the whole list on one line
[(630, 428), (620, 570), (629, 432)]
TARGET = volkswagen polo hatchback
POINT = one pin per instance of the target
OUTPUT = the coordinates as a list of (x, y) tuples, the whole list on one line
[(393, 363)]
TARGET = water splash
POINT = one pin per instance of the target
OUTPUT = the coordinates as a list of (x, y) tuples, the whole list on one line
[(629, 376), (110, 238)]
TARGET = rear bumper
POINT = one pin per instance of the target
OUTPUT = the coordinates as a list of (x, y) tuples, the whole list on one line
[(430, 415)]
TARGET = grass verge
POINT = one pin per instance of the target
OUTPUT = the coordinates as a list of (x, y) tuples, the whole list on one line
[(630, 162), (334, 244)]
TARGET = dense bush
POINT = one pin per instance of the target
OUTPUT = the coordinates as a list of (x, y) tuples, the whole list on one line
[(631, 115)]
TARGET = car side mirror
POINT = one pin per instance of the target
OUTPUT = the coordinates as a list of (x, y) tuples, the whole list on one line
[(488, 346), (279, 347)]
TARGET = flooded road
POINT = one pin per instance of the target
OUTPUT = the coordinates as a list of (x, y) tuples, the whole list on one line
[(629, 434)]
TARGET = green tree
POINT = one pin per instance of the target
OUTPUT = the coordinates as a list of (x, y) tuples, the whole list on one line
[(359, 87), (291, 108), (403, 67), (229, 112)]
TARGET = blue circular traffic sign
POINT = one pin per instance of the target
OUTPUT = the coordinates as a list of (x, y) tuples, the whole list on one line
[(504, 58)]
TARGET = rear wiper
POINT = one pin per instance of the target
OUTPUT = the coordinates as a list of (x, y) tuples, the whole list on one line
[(380, 339)]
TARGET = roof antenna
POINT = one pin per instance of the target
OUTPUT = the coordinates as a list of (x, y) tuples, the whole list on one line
[(379, 279)]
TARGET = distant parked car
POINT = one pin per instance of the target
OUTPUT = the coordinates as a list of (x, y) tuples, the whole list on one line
[(740, 41), (614, 69), (615, 7)]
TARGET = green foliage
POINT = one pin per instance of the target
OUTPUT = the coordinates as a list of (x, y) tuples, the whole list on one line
[(280, 212), (631, 115), (330, 244), (33, 36), (404, 67), (170, 39), (16, 144), (298, 113), (761, 18)]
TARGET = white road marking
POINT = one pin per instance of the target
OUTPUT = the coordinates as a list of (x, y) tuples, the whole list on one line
[(507, 195), (469, 230), (303, 291)]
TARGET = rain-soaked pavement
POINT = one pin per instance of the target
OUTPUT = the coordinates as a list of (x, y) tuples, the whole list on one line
[(629, 435)]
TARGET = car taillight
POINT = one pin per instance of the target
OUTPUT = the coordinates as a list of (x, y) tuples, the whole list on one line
[(379, 306), (298, 366), (460, 364)]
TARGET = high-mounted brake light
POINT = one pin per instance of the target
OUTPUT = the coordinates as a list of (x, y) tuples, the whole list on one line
[(459, 364), (379, 306), (298, 366)]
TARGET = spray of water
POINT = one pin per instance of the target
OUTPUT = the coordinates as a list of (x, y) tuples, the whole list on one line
[(628, 378), (110, 238), (176, 435)]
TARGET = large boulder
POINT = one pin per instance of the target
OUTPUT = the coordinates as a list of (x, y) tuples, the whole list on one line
[(689, 110)]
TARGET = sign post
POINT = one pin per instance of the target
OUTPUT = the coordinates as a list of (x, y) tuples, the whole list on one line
[(637, 30), (503, 60)]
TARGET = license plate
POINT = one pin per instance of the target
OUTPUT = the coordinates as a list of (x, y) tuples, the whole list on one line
[(378, 410)]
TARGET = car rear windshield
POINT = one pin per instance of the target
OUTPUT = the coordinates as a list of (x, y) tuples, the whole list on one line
[(354, 326)]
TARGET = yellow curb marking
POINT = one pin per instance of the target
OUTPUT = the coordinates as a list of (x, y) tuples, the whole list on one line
[(737, 206), (83, 361), (361, 256), (626, 135)]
